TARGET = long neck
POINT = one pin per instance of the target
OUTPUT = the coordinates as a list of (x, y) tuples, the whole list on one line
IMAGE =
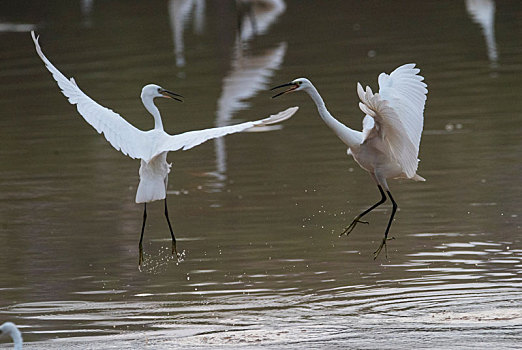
[(350, 137), (149, 104), (17, 339)]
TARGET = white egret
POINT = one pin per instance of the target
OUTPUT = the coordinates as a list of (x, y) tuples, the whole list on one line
[(388, 145), (10, 329), (150, 146)]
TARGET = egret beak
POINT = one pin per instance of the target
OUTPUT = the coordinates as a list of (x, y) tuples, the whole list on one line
[(293, 87), (170, 94)]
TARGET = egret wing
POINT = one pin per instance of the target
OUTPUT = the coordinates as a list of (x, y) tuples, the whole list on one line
[(190, 139), (406, 93), (121, 134), (368, 127), (398, 110)]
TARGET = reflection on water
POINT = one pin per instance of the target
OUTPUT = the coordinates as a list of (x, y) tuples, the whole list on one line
[(250, 73), (265, 267), (86, 10), (471, 288), (256, 16), (17, 27), (179, 14), (483, 12)]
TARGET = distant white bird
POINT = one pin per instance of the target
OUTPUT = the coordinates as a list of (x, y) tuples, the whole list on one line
[(150, 146), (10, 329), (388, 145)]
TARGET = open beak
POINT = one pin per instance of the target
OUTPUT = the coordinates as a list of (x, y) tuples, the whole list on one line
[(293, 86), (170, 94)]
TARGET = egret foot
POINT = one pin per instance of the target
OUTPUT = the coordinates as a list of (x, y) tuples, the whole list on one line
[(383, 244), (350, 227), (357, 219), (378, 251)]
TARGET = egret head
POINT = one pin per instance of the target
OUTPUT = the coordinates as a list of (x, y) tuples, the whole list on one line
[(152, 91), (294, 85)]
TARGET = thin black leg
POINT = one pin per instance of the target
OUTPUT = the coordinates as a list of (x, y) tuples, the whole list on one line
[(174, 249), (142, 231), (357, 219), (383, 243)]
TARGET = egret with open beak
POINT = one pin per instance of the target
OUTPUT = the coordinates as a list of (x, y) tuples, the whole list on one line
[(293, 86), (150, 146), (170, 94), (388, 145)]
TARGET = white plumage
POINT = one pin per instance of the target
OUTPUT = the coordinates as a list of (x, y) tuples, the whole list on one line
[(388, 145), (150, 146), (10, 329), (398, 111)]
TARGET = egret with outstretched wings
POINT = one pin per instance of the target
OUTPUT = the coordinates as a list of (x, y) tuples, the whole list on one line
[(151, 146)]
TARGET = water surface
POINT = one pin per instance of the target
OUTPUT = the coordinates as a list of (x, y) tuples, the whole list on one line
[(258, 215)]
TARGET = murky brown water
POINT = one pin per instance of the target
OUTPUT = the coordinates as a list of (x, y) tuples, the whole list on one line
[(258, 215)]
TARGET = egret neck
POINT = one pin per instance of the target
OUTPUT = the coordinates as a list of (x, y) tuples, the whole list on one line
[(148, 102), (10, 329), (350, 137)]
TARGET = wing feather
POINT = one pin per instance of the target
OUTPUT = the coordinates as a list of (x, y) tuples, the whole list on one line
[(406, 93), (121, 135), (190, 139), (398, 108)]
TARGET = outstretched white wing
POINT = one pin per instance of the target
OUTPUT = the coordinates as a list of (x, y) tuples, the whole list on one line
[(398, 110), (190, 139), (122, 135)]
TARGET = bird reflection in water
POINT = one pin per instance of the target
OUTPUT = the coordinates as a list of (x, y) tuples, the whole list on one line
[(10, 27), (86, 10), (483, 13), (256, 16), (249, 73), (179, 14)]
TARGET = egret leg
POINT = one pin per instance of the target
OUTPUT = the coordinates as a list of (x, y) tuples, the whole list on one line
[(357, 219), (174, 249), (383, 243), (141, 237)]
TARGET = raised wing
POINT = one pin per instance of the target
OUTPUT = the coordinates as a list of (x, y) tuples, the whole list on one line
[(406, 91), (190, 139), (398, 109), (122, 135)]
